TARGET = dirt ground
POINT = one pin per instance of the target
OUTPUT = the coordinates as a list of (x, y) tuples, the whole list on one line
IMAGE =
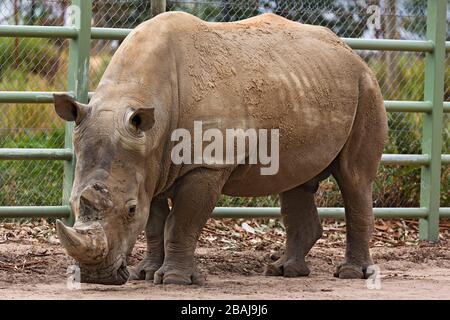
[(31, 269)]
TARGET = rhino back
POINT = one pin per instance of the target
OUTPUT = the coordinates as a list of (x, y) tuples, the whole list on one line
[(268, 72), (264, 73)]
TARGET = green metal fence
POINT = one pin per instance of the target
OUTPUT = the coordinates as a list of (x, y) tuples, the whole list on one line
[(80, 34)]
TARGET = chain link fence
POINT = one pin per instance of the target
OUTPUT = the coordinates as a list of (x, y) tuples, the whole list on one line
[(29, 64)]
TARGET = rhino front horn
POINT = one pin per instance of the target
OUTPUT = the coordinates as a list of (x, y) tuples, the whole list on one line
[(86, 243)]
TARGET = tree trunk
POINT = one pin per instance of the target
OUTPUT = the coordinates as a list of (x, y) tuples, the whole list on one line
[(16, 40), (61, 21), (391, 32), (33, 12), (157, 7)]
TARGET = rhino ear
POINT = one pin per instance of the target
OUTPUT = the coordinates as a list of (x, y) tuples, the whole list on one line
[(142, 119), (68, 109)]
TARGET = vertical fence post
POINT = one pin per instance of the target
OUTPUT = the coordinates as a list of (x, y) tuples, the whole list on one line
[(157, 7), (79, 49), (432, 122)]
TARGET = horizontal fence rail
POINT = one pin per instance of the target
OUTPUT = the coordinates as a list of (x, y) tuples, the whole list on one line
[(67, 154), (335, 213), (109, 33), (229, 212), (27, 96), (121, 33), (47, 97), (390, 45), (35, 212), (432, 107), (35, 154), (38, 32)]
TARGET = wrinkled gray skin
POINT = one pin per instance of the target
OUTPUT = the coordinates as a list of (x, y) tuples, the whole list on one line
[(264, 72)]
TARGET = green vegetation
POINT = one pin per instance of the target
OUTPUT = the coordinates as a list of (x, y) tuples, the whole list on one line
[(37, 56), (31, 182)]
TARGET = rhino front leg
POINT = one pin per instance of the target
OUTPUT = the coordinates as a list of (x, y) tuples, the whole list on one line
[(195, 197), (154, 231)]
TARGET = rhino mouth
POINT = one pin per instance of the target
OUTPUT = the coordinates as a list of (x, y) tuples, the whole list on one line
[(114, 274)]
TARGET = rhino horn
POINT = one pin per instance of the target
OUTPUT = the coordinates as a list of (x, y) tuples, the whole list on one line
[(86, 243)]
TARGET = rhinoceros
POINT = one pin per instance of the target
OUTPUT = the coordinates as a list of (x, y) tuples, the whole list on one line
[(264, 72)]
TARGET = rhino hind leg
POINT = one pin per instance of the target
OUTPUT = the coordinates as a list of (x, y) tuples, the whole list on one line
[(355, 184), (154, 231), (355, 170), (359, 225), (303, 229)]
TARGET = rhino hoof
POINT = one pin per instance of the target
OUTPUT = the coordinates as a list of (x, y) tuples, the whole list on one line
[(179, 278), (145, 270), (350, 271), (273, 270), (142, 274), (290, 269)]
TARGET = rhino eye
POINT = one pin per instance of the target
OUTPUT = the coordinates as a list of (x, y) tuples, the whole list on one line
[(141, 119), (136, 121), (131, 208)]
